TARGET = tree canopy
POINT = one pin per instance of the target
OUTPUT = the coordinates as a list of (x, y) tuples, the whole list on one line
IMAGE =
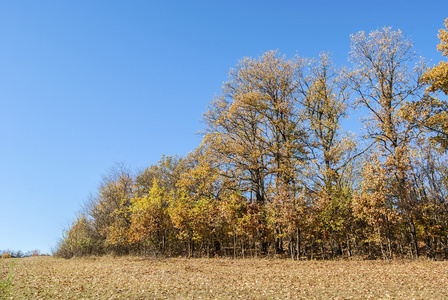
[(278, 174)]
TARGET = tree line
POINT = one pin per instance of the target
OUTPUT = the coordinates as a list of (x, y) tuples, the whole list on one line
[(8, 253), (277, 173)]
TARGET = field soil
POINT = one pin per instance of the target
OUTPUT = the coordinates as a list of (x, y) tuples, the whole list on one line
[(149, 278)]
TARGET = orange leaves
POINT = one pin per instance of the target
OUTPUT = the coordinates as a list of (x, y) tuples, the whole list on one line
[(6, 255)]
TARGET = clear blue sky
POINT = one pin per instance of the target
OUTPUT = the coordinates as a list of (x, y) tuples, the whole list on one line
[(86, 84)]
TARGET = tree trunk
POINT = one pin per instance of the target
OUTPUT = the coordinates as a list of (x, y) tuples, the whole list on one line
[(298, 244), (383, 253), (414, 237), (234, 244), (349, 250)]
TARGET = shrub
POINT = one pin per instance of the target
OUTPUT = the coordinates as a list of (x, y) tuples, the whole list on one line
[(6, 255)]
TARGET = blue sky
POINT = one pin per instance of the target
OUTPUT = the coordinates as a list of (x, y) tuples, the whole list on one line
[(87, 84)]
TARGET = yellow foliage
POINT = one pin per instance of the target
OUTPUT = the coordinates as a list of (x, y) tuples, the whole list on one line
[(6, 255), (431, 113), (149, 215), (437, 76)]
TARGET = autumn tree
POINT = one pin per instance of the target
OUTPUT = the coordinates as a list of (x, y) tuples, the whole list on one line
[(430, 176), (195, 212), (437, 76), (109, 209), (255, 129), (431, 112), (385, 80), (234, 135), (325, 102), (150, 221), (80, 240)]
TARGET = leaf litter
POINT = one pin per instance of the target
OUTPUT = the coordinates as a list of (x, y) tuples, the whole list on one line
[(219, 278)]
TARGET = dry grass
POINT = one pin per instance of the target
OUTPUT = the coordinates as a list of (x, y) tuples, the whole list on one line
[(135, 278)]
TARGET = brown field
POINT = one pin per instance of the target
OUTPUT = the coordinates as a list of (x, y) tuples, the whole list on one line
[(139, 278)]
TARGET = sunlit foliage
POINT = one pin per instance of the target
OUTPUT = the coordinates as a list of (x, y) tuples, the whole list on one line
[(277, 174)]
